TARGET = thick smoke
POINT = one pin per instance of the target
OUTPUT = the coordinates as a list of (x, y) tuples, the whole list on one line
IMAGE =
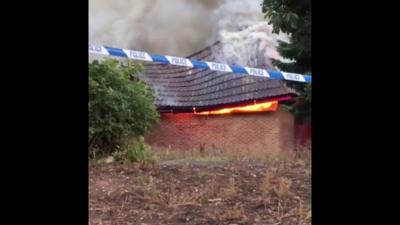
[(180, 27), (246, 36), (174, 27)]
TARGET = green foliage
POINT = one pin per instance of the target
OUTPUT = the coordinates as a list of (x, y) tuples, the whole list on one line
[(140, 152), (294, 18), (136, 152), (120, 106)]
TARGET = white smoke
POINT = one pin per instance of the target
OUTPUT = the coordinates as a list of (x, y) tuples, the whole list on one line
[(246, 36), (180, 27), (170, 27)]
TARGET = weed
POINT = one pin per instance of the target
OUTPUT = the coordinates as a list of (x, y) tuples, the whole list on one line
[(230, 191), (303, 212), (211, 190), (283, 189), (267, 185), (237, 212), (136, 152)]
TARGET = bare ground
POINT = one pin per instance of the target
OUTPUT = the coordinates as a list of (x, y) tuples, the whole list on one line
[(200, 192)]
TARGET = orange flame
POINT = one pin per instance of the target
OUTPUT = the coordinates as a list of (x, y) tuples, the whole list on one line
[(259, 107)]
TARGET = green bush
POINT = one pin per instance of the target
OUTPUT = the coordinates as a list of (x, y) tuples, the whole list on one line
[(120, 106), (136, 152), (140, 152)]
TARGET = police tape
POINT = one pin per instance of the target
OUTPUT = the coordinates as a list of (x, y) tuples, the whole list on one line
[(178, 61)]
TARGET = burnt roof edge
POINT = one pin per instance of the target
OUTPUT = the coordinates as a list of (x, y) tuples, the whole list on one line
[(204, 49), (287, 98)]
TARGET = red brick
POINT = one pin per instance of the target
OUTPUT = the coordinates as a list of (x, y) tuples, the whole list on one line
[(251, 132)]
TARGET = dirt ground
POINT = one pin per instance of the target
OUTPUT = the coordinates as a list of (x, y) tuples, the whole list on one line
[(201, 192)]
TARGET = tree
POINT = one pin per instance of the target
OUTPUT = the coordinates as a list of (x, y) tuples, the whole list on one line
[(294, 18), (120, 105)]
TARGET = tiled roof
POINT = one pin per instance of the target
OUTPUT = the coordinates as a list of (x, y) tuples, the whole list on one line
[(181, 89)]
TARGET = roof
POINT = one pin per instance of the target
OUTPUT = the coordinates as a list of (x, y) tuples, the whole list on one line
[(179, 89)]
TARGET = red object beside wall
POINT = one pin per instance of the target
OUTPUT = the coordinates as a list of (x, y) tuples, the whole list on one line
[(303, 135)]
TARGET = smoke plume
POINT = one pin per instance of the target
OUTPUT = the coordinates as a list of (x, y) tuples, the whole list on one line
[(174, 27), (180, 27), (246, 36)]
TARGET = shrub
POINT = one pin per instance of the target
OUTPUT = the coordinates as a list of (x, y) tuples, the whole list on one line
[(120, 106), (136, 152), (140, 152)]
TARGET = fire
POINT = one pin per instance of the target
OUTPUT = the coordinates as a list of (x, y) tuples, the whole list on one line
[(259, 107)]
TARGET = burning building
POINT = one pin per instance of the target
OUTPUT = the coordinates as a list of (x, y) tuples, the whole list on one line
[(201, 108)]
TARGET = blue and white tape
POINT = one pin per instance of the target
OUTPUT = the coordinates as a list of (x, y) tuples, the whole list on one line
[(144, 56)]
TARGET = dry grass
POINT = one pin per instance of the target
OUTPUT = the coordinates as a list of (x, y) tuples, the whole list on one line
[(214, 154), (230, 192), (282, 190), (234, 192), (210, 154), (234, 213)]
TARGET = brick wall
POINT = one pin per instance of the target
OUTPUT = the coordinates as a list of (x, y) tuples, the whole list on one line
[(242, 133)]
